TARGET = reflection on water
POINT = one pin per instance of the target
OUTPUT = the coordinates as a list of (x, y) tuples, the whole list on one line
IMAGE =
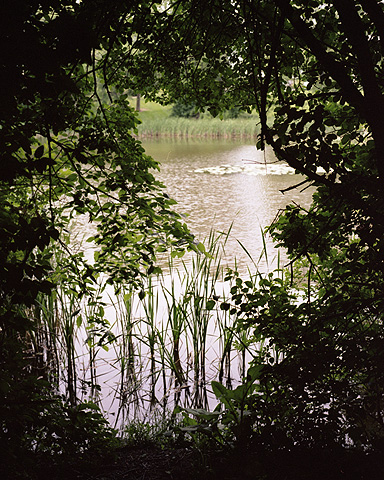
[(218, 183)]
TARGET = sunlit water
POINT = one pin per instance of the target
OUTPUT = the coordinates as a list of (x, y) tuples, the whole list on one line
[(219, 183)]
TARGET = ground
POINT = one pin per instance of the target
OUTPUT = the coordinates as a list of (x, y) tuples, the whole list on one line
[(150, 463), (154, 463), (178, 463), (185, 462)]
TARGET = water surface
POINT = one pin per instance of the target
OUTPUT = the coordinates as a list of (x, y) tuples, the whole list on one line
[(219, 183)]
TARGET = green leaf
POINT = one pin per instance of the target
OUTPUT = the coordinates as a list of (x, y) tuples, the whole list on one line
[(201, 247), (210, 305), (222, 394), (39, 151), (141, 294)]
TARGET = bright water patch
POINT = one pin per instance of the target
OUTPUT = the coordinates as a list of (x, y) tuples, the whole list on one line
[(230, 185), (251, 169)]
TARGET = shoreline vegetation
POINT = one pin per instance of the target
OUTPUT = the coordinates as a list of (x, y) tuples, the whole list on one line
[(157, 122)]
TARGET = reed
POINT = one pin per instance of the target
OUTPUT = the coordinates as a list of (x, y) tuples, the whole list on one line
[(70, 309), (175, 324), (200, 286), (162, 337), (226, 335), (150, 304), (125, 357), (53, 340), (44, 338), (205, 127), (174, 338)]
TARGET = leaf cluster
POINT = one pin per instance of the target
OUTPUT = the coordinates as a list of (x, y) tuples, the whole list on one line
[(318, 66), (66, 150)]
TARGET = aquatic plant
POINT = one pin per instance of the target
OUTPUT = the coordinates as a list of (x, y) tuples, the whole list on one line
[(205, 127), (134, 351)]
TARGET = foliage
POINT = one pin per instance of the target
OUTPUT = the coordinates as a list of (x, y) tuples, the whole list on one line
[(319, 65), (50, 434), (140, 434), (68, 148), (180, 109), (158, 431), (312, 387), (66, 152), (232, 421)]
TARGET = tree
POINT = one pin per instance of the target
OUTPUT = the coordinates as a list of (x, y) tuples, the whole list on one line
[(180, 109), (318, 66), (64, 152)]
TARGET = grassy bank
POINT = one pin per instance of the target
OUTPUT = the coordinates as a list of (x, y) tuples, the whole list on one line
[(158, 122), (206, 127)]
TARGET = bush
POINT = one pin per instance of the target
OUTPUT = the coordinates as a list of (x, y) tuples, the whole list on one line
[(185, 110), (54, 437)]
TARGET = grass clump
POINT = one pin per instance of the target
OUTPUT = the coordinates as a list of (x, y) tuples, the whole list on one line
[(143, 434), (205, 127)]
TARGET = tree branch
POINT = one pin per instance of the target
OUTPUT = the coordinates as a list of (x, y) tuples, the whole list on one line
[(369, 105), (330, 65), (376, 15), (355, 31)]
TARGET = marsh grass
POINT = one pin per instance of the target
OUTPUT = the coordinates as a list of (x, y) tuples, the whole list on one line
[(150, 304), (125, 358), (204, 127), (157, 121), (44, 347), (52, 342), (177, 328), (154, 349)]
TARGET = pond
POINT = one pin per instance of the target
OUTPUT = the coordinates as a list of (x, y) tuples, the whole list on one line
[(219, 183), (169, 345)]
